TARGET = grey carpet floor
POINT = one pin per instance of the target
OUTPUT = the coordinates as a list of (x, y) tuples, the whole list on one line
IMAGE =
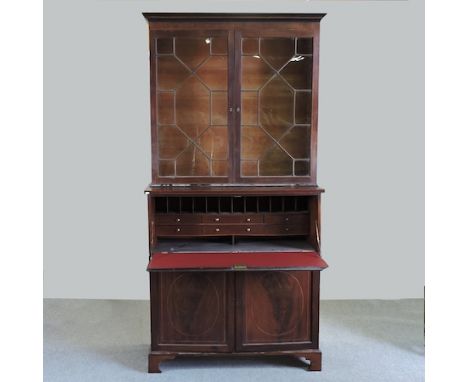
[(108, 340)]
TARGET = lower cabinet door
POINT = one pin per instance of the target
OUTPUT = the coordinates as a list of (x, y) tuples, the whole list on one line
[(192, 311), (273, 311)]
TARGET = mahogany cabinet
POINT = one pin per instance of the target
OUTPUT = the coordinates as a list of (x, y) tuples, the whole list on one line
[(233, 205)]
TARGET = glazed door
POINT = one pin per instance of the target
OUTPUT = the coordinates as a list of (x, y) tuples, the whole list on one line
[(190, 106), (277, 90), (235, 106), (192, 311), (274, 311)]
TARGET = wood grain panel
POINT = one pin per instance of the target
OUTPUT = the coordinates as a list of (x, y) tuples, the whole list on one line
[(273, 310), (192, 309)]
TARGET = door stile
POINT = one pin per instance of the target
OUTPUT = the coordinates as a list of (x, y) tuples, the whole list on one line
[(232, 75), (236, 89)]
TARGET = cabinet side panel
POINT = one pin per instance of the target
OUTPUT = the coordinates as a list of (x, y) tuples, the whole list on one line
[(315, 308), (315, 104), (151, 217), (154, 146), (315, 218), (154, 308)]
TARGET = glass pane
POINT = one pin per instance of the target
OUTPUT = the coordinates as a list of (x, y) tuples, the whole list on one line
[(166, 167), (255, 142), (303, 107), (298, 72), (276, 95), (171, 72), (249, 168), (219, 105), (192, 108), (214, 142), (276, 162), (219, 167), (255, 72), (171, 142), (277, 51), (276, 107), (219, 45), (250, 46), (304, 46), (192, 163), (165, 108), (296, 141), (213, 73), (165, 45), (249, 108), (192, 51), (301, 167)]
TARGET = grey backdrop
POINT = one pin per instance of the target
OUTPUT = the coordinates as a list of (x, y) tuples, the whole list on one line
[(97, 144)]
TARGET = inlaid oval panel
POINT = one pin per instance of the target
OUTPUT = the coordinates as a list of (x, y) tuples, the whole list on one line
[(193, 304), (282, 304)]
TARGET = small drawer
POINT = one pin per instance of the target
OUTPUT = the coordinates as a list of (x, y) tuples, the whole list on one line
[(286, 229), (233, 229), (287, 219), (232, 218), (177, 219), (175, 230)]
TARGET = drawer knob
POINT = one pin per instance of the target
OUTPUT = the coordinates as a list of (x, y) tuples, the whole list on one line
[(178, 229), (217, 220), (178, 220), (286, 219), (286, 229), (247, 229), (217, 229), (248, 219)]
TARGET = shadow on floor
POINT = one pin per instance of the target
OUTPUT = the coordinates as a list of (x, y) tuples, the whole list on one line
[(135, 357)]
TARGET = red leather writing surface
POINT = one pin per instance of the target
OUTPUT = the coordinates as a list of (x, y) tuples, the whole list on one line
[(236, 261)]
